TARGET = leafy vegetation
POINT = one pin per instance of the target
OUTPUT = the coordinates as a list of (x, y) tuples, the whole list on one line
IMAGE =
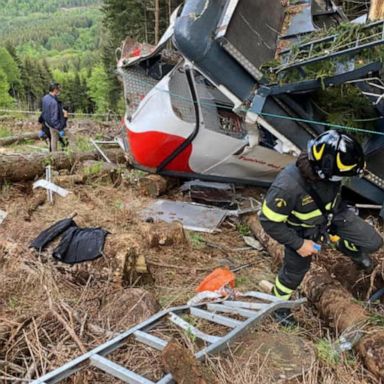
[(72, 42), (45, 41)]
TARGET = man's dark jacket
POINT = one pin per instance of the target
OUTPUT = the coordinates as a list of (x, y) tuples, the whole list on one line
[(52, 112)]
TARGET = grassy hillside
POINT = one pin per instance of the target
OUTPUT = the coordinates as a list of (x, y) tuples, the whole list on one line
[(62, 31)]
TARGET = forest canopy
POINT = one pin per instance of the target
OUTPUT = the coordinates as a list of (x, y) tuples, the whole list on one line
[(72, 42)]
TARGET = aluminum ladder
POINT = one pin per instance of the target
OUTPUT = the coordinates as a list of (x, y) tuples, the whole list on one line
[(323, 49), (256, 306)]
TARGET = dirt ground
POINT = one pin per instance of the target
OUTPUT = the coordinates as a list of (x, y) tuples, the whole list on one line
[(51, 312)]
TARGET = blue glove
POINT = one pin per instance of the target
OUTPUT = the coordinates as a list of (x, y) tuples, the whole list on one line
[(61, 133), (42, 135)]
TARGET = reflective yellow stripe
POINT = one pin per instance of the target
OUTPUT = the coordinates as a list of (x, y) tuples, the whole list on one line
[(343, 167), (308, 215), (312, 214), (318, 153), (281, 287), (282, 297), (350, 246), (273, 216), (301, 224)]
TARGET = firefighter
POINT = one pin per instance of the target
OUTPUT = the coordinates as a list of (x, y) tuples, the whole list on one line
[(303, 208)]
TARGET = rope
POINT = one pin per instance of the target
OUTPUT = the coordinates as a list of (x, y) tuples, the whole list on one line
[(37, 112)]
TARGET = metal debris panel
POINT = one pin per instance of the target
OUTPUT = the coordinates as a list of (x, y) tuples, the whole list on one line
[(195, 217)]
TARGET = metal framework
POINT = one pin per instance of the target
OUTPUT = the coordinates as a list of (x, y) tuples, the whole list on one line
[(324, 49), (254, 308)]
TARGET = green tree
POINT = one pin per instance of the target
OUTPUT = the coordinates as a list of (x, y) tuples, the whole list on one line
[(5, 99), (98, 85), (11, 70)]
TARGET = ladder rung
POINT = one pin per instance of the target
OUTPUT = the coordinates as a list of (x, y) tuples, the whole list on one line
[(238, 311), (245, 304), (190, 328), (150, 340), (218, 319), (118, 371), (261, 296)]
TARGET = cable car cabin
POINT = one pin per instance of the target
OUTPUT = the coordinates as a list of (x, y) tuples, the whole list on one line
[(233, 101)]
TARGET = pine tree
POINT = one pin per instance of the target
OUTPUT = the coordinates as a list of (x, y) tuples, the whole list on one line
[(17, 88), (98, 89), (5, 99), (11, 70)]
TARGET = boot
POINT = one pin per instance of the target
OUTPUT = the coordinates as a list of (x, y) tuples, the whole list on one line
[(363, 261), (285, 317)]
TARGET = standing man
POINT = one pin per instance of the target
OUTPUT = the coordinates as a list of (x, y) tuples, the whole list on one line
[(303, 207), (53, 115)]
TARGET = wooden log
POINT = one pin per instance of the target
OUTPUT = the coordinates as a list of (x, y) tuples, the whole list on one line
[(164, 234), (69, 180), (182, 364), (376, 10), (18, 139), (39, 198), (337, 306), (22, 167), (275, 249)]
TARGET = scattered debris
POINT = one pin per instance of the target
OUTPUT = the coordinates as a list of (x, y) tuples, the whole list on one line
[(205, 297), (217, 281), (210, 193), (253, 243), (195, 217), (51, 233), (51, 187), (376, 296), (105, 157), (79, 245), (3, 216)]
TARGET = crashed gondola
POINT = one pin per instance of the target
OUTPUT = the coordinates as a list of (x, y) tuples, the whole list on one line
[(206, 110)]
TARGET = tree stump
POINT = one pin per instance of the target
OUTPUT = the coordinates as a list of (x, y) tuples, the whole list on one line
[(164, 234), (183, 366), (153, 185)]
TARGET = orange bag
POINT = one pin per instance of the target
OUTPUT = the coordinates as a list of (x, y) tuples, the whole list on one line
[(217, 280)]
